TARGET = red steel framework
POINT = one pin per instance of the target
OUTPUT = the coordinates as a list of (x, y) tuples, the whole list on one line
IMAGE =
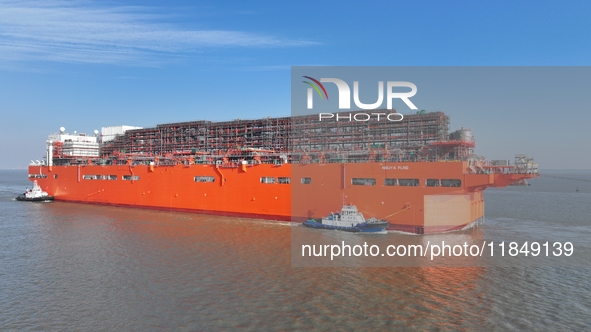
[(298, 139)]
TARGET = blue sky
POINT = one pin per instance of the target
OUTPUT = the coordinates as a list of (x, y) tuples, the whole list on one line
[(88, 64)]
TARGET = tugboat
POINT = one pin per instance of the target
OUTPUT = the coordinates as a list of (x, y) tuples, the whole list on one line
[(349, 220), (34, 195)]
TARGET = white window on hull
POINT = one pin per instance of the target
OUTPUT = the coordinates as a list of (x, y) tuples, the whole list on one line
[(389, 182), (408, 182), (204, 179), (268, 180), (363, 181), (451, 182), (432, 182)]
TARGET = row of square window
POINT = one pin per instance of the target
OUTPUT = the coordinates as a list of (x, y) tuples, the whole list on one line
[(90, 177), (264, 179), (407, 182), (110, 177), (356, 181), (305, 180)]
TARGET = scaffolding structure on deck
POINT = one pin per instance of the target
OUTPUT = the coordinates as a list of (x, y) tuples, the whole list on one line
[(349, 137)]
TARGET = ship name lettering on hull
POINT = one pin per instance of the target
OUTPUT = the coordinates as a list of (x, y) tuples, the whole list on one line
[(386, 168)]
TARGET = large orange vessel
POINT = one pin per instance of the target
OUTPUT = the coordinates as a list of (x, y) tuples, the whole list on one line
[(412, 173)]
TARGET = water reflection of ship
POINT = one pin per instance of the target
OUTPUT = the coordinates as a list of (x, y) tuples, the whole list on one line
[(449, 295), (193, 250)]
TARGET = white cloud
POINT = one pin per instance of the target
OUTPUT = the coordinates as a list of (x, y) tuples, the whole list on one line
[(82, 31)]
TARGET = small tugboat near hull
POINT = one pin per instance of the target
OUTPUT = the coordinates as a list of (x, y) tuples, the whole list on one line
[(349, 220), (34, 195), (24, 198)]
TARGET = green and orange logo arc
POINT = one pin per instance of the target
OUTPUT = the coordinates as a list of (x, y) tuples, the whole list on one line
[(316, 86)]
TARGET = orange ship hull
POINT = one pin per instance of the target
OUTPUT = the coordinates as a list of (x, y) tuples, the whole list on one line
[(241, 190)]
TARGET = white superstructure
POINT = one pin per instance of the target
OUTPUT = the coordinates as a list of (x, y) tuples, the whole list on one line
[(79, 145), (349, 217), (109, 133), (73, 145)]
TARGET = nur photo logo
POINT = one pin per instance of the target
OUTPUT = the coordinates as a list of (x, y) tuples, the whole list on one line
[(344, 92)]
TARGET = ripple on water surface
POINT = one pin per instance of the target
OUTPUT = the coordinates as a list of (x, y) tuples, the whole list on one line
[(71, 266)]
